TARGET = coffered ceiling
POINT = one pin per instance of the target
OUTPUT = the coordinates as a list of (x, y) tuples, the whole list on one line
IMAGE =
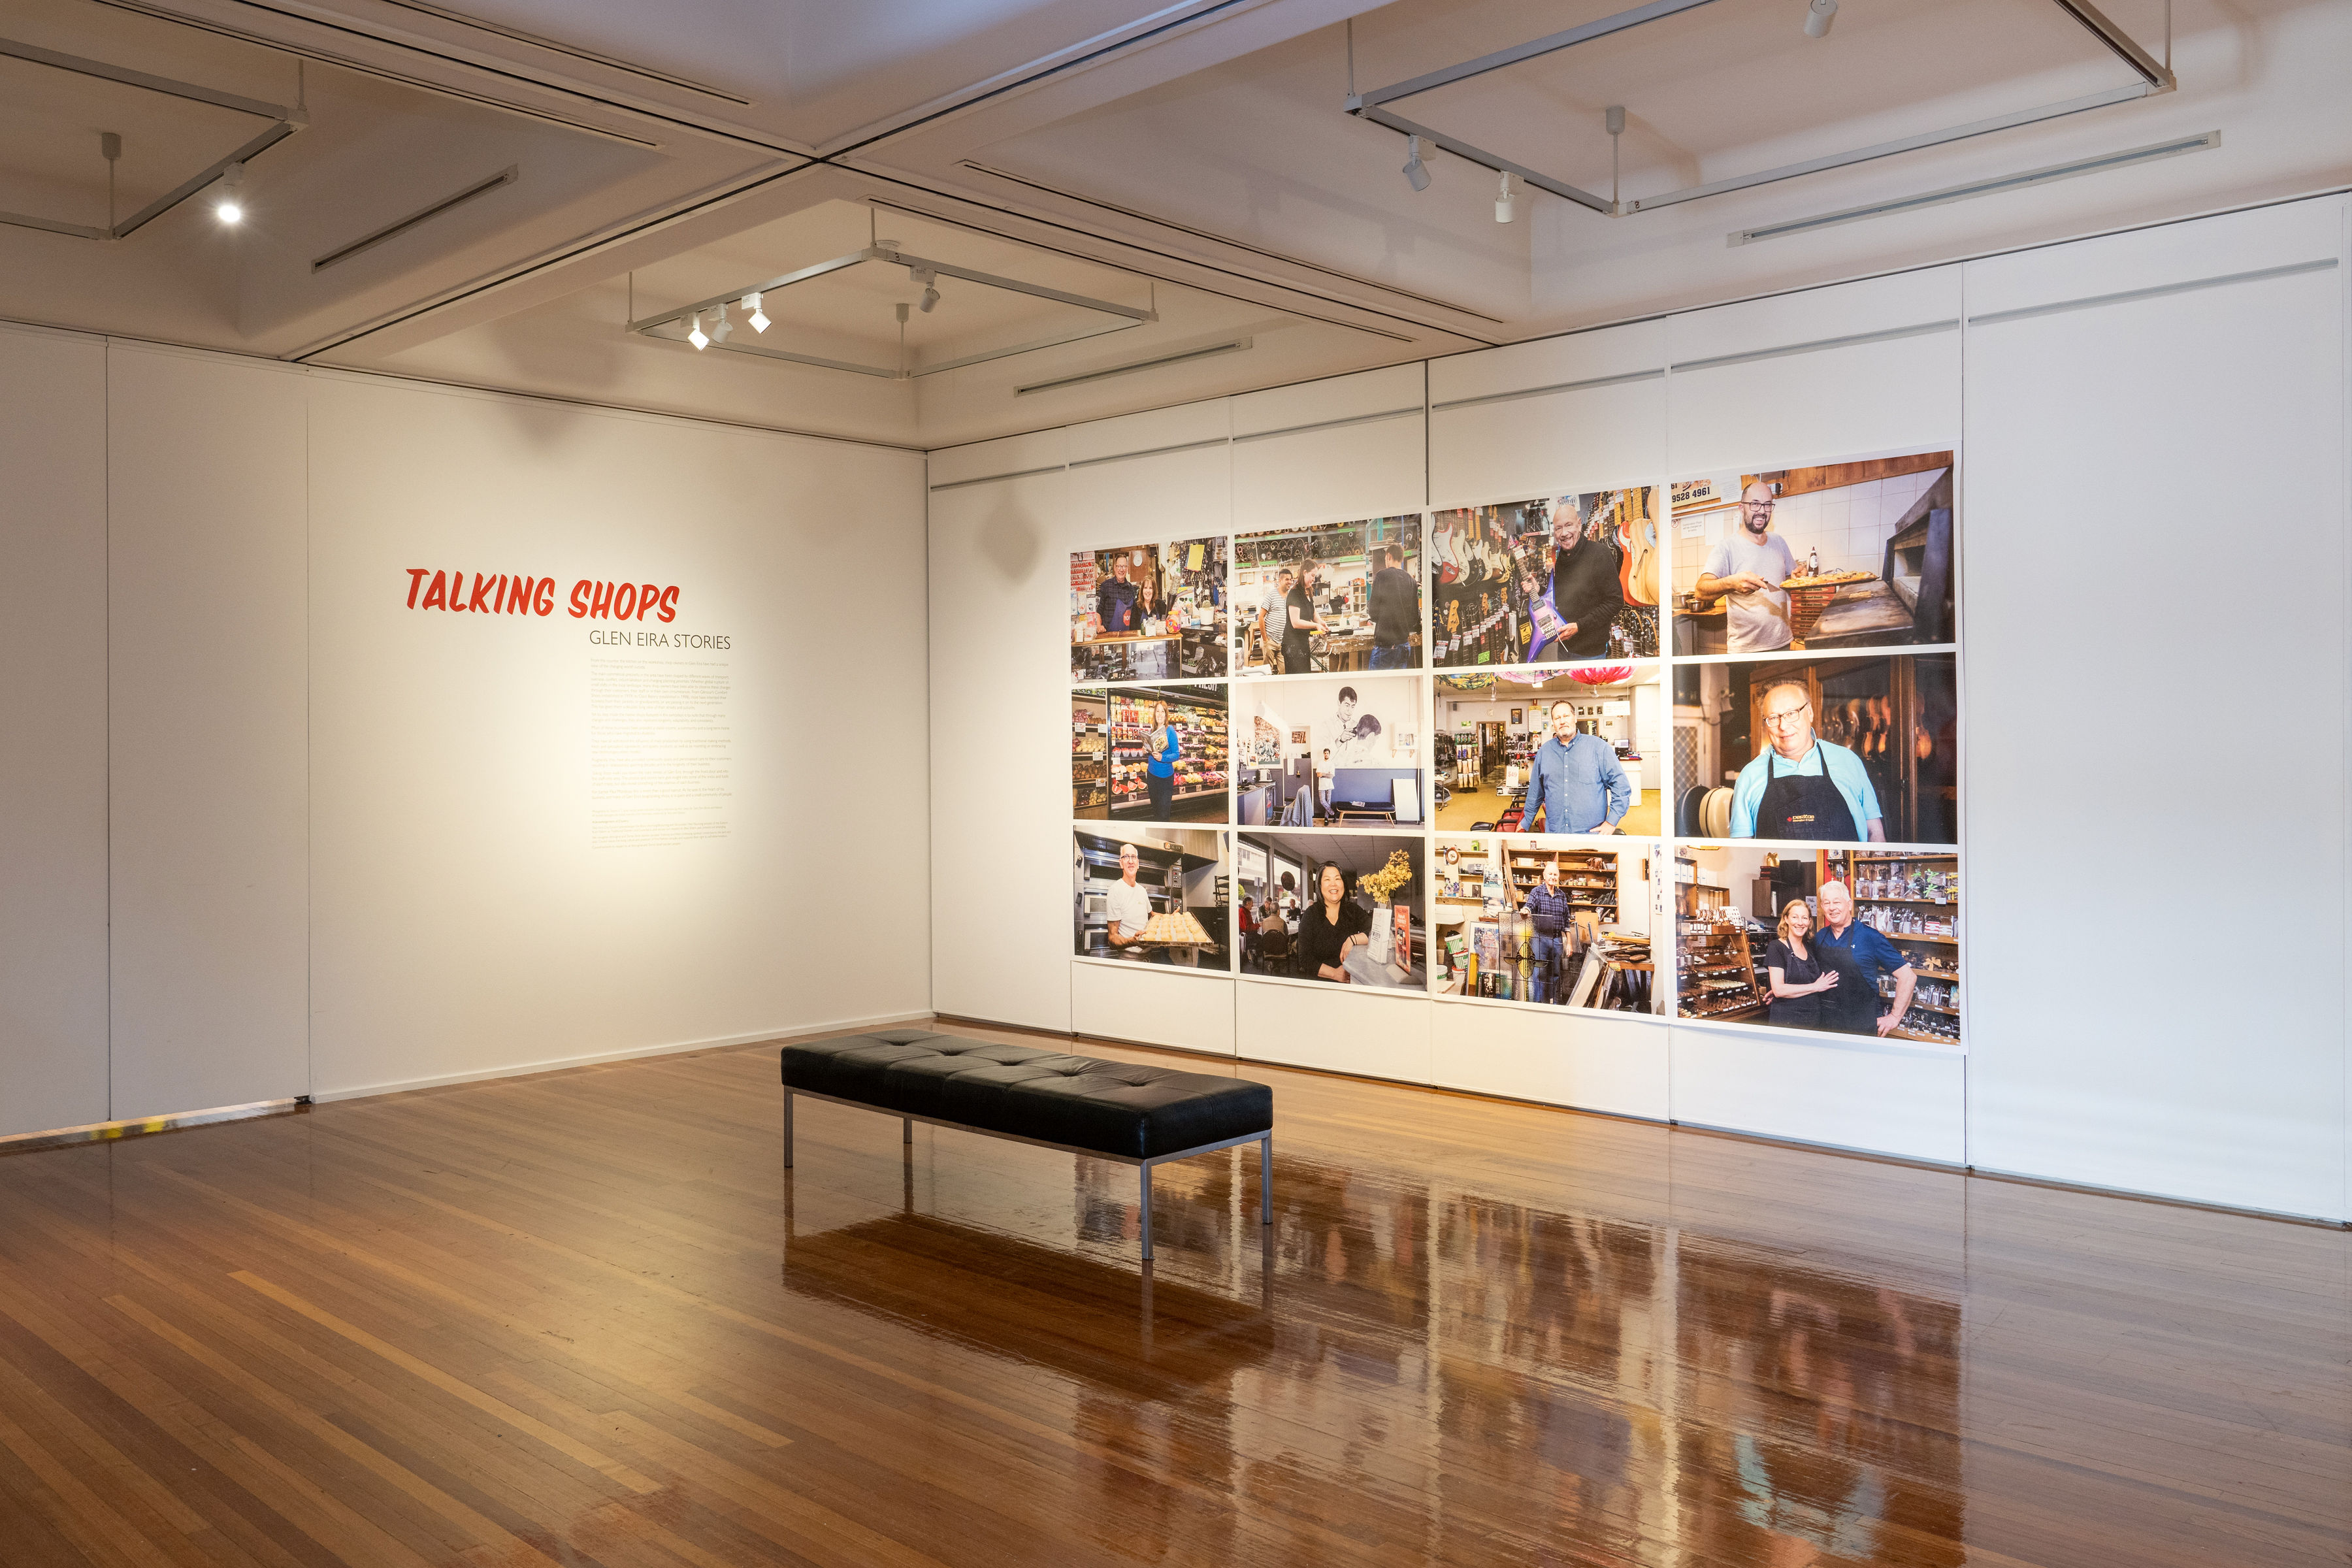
[(491, 192)]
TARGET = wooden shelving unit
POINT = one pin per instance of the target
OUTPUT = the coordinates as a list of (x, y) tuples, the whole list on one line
[(1711, 943), (1935, 956)]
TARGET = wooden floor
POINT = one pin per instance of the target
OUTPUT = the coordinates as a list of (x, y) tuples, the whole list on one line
[(588, 1318)]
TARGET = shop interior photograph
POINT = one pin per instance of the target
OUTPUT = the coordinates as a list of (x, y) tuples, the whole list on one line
[(1492, 733), (1600, 1006)]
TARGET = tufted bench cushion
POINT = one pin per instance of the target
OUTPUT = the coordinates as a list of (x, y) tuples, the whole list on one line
[(1120, 1109)]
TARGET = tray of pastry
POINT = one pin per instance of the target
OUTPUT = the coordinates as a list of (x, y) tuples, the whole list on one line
[(1177, 928), (1829, 580)]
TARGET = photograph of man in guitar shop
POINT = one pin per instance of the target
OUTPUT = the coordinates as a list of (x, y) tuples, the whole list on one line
[(1554, 580), (1845, 750), (1853, 554)]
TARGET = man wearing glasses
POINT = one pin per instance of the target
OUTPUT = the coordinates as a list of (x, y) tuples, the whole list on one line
[(1750, 566), (1799, 788)]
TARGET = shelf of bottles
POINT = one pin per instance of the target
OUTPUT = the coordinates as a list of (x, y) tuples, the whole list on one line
[(1201, 732), (1914, 900)]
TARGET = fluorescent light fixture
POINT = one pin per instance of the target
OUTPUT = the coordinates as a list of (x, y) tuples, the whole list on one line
[(756, 316), (1230, 345), (229, 206), (1502, 199), (2031, 178), (1819, 14), (696, 336), (1416, 174)]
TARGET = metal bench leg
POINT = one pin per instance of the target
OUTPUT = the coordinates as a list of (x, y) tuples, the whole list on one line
[(906, 1129), (1147, 1214), (788, 1130), (1265, 1180)]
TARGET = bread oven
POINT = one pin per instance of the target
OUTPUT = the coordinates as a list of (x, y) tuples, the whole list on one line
[(1919, 564)]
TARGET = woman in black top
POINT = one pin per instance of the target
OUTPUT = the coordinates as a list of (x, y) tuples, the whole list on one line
[(1799, 978), (1299, 619), (1331, 927)]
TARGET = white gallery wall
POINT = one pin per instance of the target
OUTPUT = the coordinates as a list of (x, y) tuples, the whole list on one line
[(267, 831), (2152, 442)]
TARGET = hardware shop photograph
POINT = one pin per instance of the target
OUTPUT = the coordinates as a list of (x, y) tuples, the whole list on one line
[(1341, 908), (1149, 753), (1573, 750), (1343, 751), (1151, 896), (1857, 554), (1835, 941), (1148, 612), (1329, 596), (1543, 923), (1546, 581), (1848, 749)]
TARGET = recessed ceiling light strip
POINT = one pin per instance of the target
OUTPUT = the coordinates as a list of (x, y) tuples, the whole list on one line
[(505, 176), (2018, 181)]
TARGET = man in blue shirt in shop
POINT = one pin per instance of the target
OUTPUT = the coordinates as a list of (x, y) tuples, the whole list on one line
[(1861, 957), (1799, 788), (1575, 780), (1549, 907)]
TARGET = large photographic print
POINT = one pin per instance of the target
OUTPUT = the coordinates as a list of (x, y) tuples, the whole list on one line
[(1547, 923), (1842, 555), (1330, 598), (1340, 751), (1148, 612), (1578, 750), (1344, 908), (1149, 753), (1151, 896), (1552, 580)]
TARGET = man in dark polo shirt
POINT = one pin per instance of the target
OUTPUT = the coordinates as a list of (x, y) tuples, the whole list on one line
[(1860, 955), (1547, 905), (1394, 600)]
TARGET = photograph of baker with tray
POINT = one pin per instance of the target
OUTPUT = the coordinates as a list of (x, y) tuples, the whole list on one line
[(1842, 555)]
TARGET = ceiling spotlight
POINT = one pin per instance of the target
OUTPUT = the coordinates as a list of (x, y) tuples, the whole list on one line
[(1416, 174), (719, 329), (1819, 14), (696, 336), (229, 206), (758, 317), (931, 282), (1502, 199)]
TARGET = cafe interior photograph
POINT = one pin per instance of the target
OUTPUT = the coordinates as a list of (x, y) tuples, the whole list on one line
[(1359, 609), (1339, 751), (1149, 753), (1872, 938), (1290, 885), (1546, 581), (1156, 896), (1492, 731), (1854, 554), (1848, 749), (1148, 612), (1538, 921)]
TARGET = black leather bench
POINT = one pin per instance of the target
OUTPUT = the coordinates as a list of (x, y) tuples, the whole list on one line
[(1141, 1116)]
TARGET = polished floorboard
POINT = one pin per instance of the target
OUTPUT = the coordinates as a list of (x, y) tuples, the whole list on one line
[(588, 1318)]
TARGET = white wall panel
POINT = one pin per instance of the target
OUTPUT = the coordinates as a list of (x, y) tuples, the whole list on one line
[(53, 717), (1186, 424), (1852, 1094), (1606, 429), (209, 767), (1590, 1060), (1011, 455), (1847, 390), (1343, 449), (1151, 1006), (466, 922), (1339, 1028), (2156, 711)]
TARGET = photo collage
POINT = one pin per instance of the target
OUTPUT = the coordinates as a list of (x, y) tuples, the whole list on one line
[(1688, 750)]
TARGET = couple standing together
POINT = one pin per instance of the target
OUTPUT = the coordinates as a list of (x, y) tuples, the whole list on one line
[(1828, 979)]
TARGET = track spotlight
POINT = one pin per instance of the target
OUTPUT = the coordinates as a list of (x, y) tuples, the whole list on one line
[(757, 317), (1819, 14), (229, 206), (696, 336), (1502, 199), (931, 282), (721, 328), (1416, 174)]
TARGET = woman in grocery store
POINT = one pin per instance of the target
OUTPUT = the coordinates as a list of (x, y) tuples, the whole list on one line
[(1165, 748), (1332, 927), (1799, 976)]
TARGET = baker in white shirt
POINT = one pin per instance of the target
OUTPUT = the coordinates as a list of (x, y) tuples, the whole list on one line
[(1750, 566), (1129, 906)]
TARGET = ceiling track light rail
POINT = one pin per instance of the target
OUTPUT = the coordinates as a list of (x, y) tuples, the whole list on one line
[(685, 324), (2154, 77), (287, 121), (398, 226)]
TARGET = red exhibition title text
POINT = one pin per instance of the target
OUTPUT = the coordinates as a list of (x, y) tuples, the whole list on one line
[(518, 596)]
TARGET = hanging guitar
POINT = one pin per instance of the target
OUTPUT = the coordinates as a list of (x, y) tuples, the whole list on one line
[(1637, 545), (1546, 623)]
